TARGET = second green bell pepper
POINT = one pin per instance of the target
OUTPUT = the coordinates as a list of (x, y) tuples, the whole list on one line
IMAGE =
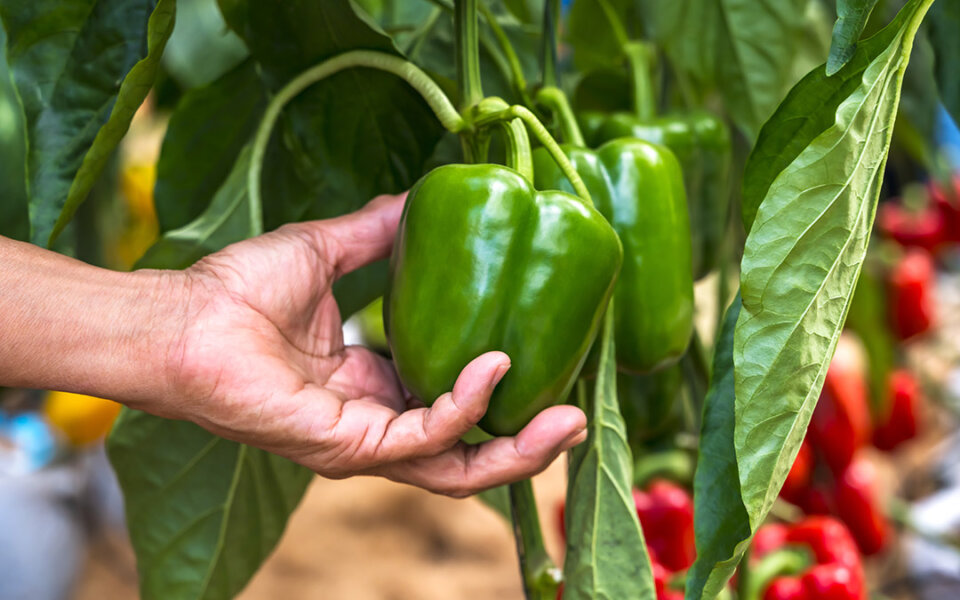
[(701, 142), (483, 262), (637, 185)]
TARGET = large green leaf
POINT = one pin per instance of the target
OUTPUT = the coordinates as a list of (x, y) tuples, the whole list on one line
[(596, 30), (720, 519), (852, 16), (742, 48), (606, 554), (804, 253), (203, 512), (227, 219), (82, 68), (201, 49), (205, 135), (944, 25), (14, 221)]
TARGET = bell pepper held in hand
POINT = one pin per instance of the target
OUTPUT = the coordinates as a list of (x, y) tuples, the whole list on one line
[(665, 511), (638, 187), (912, 294), (900, 421), (484, 262)]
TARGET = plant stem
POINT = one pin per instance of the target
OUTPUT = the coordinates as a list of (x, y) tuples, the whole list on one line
[(551, 20), (543, 136), (541, 578), (516, 69), (467, 52), (754, 579), (418, 80), (638, 59), (555, 100)]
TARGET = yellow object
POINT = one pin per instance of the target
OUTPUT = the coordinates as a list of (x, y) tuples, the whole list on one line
[(82, 419)]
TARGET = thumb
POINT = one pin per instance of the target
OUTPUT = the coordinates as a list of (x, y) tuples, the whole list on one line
[(361, 237)]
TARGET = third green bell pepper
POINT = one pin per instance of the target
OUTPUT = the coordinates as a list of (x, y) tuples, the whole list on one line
[(484, 262), (637, 185)]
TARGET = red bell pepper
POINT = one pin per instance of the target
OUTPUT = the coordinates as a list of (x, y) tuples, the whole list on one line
[(800, 475), (841, 421), (925, 228), (905, 402), (857, 506), (949, 207), (836, 572), (912, 291), (666, 516)]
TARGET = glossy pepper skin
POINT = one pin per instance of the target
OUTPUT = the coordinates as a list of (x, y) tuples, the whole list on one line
[(638, 187), (665, 511), (701, 142), (836, 572), (483, 262), (904, 407), (912, 291)]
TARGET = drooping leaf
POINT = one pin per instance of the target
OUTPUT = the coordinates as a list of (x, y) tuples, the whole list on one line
[(721, 522), (944, 23), (82, 68), (203, 512), (606, 554), (227, 219), (206, 133), (742, 48), (852, 16), (804, 252)]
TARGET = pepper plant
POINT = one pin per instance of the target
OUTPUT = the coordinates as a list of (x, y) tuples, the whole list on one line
[(764, 169)]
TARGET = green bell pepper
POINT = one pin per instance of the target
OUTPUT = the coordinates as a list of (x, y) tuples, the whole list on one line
[(651, 405), (481, 262), (637, 186), (701, 142)]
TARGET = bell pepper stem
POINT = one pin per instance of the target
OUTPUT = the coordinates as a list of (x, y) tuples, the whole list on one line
[(754, 579), (513, 61), (638, 58), (554, 99), (541, 578), (551, 18), (543, 136), (413, 75), (519, 156), (467, 50)]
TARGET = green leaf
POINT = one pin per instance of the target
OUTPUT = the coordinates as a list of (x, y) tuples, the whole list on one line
[(203, 512), (201, 48), (206, 133), (596, 30), (721, 522), (228, 219), (744, 49), (944, 23), (82, 68), (606, 554), (804, 253), (852, 16)]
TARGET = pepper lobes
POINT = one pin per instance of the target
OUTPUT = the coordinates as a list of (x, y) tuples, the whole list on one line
[(482, 262), (701, 143), (638, 187)]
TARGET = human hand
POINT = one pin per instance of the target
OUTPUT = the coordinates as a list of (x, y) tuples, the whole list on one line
[(261, 360)]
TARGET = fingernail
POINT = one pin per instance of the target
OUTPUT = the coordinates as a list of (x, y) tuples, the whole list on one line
[(498, 374), (574, 438)]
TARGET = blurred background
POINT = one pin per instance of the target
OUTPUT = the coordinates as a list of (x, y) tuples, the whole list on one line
[(890, 408)]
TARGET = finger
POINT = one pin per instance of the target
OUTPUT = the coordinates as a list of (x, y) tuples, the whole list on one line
[(430, 431), (465, 470), (361, 237)]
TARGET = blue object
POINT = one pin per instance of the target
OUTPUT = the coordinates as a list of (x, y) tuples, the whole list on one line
[(948, 137)]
